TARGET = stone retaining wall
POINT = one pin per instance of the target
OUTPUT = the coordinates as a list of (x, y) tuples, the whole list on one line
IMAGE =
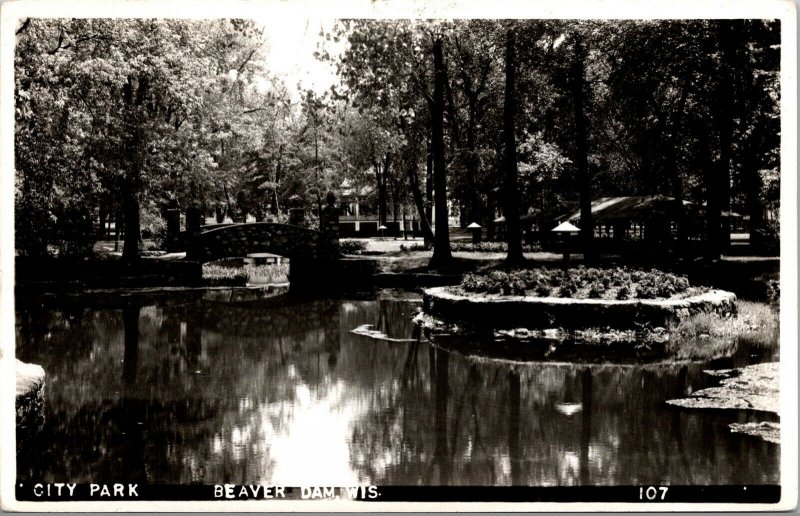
[(551, 312)]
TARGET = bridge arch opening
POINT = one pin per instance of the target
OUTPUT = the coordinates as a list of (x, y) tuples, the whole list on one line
[(310, 253), (255, 269)]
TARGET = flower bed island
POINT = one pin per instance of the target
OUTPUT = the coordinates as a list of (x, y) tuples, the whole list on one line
[(576, 298)]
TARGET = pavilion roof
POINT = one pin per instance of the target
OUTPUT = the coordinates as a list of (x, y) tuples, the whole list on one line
[(628, 207)]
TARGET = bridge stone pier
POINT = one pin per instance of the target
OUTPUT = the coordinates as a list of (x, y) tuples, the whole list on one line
[(313, 255)]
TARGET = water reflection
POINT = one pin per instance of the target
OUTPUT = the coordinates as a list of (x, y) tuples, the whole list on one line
[(284, 393)]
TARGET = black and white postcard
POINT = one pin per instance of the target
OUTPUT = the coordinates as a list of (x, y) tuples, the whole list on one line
[(398, 256)]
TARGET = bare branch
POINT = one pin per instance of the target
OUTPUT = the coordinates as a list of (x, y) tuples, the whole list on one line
[(58, 46), (23, 27), (422, 90), (241, 66)]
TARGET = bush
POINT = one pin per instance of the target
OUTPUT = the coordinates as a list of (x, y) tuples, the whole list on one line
[(580, 282), (767, 240), (154, 226), (496, 282), (352, 246), (596, 291), (269, 273), (774, 292), (568, 289), (646, 292), (474, 283), (647, 287), (669, 285), (217, 274)]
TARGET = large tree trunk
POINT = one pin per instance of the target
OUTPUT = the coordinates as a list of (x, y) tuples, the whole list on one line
[(713, 209), (429, 190), (726, 108), (395, 199), (582, 152), (422, 210), (387, 163), (410, 162), (132, 184), (103, 215), (381, 183), (718, 176), (473, 199), (671, 162), (752, 156), (510, 186), (441, 244), (278, 166), (753, 202), (130, 246), (490, 213)]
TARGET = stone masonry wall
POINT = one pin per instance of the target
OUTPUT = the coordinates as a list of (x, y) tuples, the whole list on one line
[(293, 242), (534, 312)]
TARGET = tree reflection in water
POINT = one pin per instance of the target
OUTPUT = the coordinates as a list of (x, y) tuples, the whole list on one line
[(216, 392)]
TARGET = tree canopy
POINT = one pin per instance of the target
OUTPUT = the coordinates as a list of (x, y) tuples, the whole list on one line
[(524, 118)]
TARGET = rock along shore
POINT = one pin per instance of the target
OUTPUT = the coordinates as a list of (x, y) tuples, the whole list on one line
[(30, 395)]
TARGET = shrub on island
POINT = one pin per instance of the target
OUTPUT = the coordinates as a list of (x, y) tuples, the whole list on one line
[(581, 297), (579, 283)]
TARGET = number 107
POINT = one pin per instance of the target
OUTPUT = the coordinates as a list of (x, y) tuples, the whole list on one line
[(651, 493)]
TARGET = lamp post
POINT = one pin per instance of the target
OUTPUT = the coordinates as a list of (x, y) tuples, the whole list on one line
[(382, 228), (476, 232), (565, 229)]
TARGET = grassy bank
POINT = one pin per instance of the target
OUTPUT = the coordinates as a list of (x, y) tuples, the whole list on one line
[(707, 336)]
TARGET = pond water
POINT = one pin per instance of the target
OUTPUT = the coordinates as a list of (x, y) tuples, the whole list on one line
[(211, 392)]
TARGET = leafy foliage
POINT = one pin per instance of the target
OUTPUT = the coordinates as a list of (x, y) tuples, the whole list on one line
[(579, 282), (123, 117), (352, 246)]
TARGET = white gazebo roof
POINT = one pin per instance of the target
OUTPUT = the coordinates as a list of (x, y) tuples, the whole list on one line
[(566, 227)]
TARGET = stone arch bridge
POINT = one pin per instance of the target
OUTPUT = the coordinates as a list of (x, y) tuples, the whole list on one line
[(313, 255)]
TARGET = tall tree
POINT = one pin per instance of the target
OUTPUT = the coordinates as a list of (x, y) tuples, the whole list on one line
[(441, 244), (510, 183), (397, 80), (583, 177)]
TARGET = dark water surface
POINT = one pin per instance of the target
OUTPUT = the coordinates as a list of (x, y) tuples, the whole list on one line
[(212, 392)]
